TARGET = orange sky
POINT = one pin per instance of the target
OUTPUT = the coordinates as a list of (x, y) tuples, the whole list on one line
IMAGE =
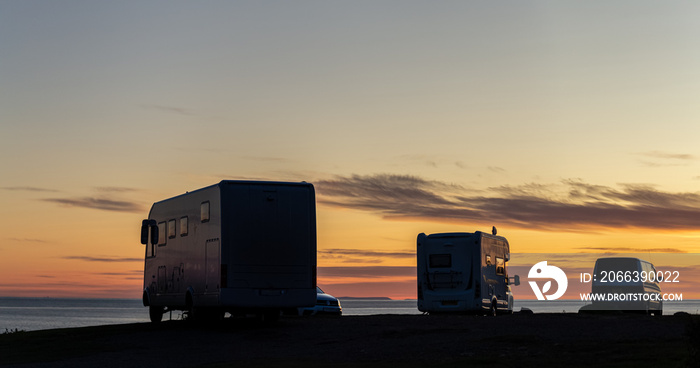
[(571, 127)]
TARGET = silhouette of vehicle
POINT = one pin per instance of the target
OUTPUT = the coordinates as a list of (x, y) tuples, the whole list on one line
[(325, 304), (625, 284), (464, 272), (242, 247)]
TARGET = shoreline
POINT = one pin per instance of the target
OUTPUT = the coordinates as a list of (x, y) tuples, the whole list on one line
[(367, 341)]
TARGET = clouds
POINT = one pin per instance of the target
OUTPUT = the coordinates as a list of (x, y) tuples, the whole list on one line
[(98, 204), (105, 200), (668, 155), (103, 259), (612, 250), (665, 159), (384, 281), (569, 205), (369, 272), (363, 256), (372, 192), (27, 240), (29, 189), (170, 109)]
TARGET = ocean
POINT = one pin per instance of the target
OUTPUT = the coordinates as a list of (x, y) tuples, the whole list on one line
[(30, 314)]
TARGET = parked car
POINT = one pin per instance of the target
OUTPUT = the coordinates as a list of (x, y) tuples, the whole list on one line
[(325, 304)]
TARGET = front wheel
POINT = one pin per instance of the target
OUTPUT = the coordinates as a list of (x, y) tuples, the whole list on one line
[(155, 313)]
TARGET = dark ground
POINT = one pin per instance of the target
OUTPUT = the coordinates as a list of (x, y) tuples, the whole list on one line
[(542, 340)]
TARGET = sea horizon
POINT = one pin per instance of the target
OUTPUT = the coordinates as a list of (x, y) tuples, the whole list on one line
[(42, 313)]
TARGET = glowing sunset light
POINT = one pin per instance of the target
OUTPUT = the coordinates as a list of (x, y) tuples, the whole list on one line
[(570, 127)]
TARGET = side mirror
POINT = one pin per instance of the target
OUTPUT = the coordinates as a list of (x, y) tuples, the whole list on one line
[(516, 280), (147, 225)]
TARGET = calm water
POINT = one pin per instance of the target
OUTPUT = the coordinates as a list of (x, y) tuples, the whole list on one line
[(46, 313)]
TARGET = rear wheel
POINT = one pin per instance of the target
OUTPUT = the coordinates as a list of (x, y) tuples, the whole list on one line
[(155, 313), (190, 313), (493, 309)]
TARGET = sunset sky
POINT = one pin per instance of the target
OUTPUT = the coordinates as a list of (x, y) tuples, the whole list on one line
[(571, 126)]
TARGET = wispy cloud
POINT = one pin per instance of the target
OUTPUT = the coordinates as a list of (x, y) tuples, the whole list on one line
[(171, 109), (27, 240), (371, 192), (106, 200), (29, 189), (265, 158), (116, 189), (432, 161), (129, 273), (98, 204), (363, 256), (370, 253), (569, 205), (367, 271), (102, 259), (665, 159), (668, 155), (391, 281), (632, 250)]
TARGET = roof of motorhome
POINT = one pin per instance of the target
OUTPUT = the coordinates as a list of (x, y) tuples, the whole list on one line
[(466, 235), (451, 235), (460, 235), (241, 182), (619, 258), (611, 259)]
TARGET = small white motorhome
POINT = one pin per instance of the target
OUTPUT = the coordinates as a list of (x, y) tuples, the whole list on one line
[(243, 247), (463, 272)]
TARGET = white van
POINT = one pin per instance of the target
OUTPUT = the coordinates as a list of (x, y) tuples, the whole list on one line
[(627, 285), (463, 272), (236, 246)]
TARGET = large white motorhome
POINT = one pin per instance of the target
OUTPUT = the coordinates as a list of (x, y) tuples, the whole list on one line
[(243, 247), (463, 272)]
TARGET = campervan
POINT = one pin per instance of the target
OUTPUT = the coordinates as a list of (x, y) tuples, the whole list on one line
[(625, 284), (464, 272), (242, 247)]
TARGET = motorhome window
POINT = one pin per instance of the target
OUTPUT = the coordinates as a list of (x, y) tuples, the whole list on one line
[(204, 211), (500, 266), (171, 229), (649, 270), (183, 226), (440, 260), (616, 264), (161, 233), (488, 260)]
